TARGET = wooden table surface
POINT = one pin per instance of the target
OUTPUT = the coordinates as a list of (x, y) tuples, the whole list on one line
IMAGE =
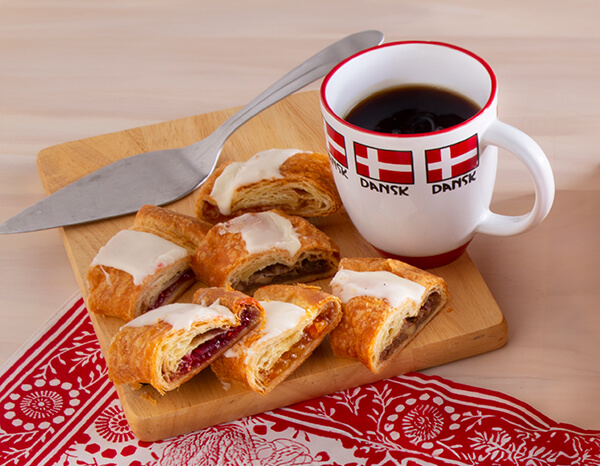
[(71, 70)]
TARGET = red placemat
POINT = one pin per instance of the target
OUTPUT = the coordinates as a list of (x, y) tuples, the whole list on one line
[(58, 407)]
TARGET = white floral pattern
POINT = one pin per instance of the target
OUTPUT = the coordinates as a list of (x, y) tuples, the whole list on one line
[(61, 409), (112, 425), (422, 423)]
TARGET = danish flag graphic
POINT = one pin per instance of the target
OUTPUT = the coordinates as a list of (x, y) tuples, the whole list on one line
[(452, 161), (336, 145), (384, 165)]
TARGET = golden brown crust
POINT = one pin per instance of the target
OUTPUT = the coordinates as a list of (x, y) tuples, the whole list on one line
[(262, 364), (402, 269), (232, 299), (223, 260), (112, 292), (366, 317), (307, 189), (305, 296), (184, 230), (139, 354)]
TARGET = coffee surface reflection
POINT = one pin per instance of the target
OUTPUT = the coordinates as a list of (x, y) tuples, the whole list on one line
[(411, 109)]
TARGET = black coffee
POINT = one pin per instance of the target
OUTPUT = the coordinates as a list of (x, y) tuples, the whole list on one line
[(412, 109)]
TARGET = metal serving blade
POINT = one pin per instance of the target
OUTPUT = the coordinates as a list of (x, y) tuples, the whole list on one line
[(161, 177)]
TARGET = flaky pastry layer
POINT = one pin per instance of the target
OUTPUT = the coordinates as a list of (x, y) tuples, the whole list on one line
[(223, 260), (164, 356), (374, 332), (307, 189), (262, 360), (112, 291)]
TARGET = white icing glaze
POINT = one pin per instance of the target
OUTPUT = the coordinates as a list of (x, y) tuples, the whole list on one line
[(347, 284), (263, 231), (181, 316), (280, 317), (261, 166), (138, 253)]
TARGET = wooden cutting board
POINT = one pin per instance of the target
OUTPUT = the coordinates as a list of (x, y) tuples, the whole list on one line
[(471, 325)]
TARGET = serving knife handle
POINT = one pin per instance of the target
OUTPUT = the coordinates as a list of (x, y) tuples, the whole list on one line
[(312, 69)]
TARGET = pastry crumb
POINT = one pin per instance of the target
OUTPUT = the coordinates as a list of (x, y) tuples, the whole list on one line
[(149, 398), (226, 386)]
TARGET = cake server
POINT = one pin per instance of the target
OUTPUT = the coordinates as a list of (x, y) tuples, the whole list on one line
[(163, 176)]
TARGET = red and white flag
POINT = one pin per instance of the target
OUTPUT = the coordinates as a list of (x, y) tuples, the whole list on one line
[(384, 165), (336, 145), (452, 161)]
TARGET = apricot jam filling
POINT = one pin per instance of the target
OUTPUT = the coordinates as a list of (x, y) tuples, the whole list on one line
[(291, 356)]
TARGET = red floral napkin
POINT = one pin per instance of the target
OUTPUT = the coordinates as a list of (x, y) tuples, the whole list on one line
[(58, 407)]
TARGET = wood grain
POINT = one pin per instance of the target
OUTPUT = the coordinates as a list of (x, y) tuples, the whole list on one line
[(472, 324)]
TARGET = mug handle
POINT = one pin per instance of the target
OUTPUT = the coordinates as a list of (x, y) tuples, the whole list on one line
[(527, 151)]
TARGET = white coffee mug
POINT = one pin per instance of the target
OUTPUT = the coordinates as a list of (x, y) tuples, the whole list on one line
[(422, 197)]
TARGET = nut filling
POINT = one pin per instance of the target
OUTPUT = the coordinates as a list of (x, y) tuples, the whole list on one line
[(411, 326), (281, 273)]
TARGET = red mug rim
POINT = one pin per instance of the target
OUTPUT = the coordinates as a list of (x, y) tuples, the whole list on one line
[(487, 105)]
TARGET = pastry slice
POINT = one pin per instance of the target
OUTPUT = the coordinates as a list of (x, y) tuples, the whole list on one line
[(146, 266), (290, 180), (263, 248), (297, 319), (386, 303), (168, 346)]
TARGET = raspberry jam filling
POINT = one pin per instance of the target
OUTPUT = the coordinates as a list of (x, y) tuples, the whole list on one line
[(211, 348), (165, 295)]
